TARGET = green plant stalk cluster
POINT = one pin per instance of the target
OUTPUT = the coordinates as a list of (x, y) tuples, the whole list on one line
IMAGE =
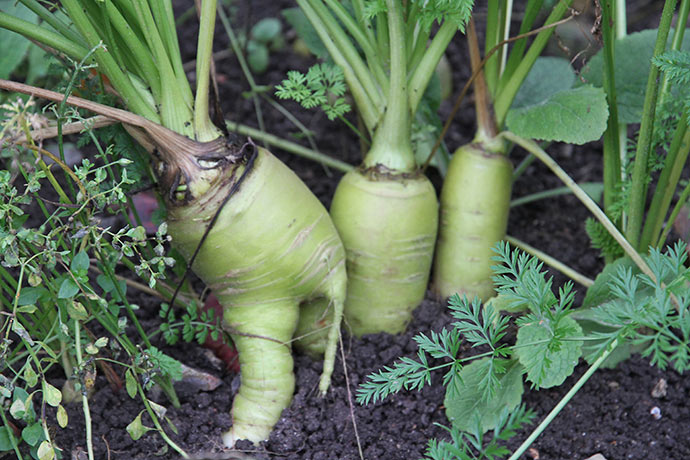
[(377, 208), (638, 190)]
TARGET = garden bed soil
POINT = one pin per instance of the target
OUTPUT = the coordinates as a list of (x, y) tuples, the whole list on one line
[(610, 415)]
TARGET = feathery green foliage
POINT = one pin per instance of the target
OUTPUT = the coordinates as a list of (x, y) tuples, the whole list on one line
[(322, 86)]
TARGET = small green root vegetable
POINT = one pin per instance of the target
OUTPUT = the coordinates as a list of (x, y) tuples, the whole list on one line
[(475, 200), (271, 248), (388, 225)]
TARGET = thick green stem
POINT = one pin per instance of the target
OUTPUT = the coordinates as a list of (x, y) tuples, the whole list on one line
[(107, 64), (165, 20), (551, 262), (544, 157), (504, 99), (363, 41), (638, 192), (176, 113), (668, 181), (423, 72), (43, 35), (674, 214), (612, 159), (203, 127), (53, 21), (289, 146), (369, 110), (392, 146), (143, 57), (518, 51)]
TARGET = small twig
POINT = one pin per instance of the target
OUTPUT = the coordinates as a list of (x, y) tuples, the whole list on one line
[(95, 122), (349, 397), (57, 161), (551, 262)]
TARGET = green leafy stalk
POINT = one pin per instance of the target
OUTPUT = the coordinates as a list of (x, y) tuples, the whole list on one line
[(56, 41), (674, 162), (203, 127), (518, 51), (504, 98), (537, 151), (176, 112), (612, 157), (638, 192), (368, 109), (120, 81), (392, 144)]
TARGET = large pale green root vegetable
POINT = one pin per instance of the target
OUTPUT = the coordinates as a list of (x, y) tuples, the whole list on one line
[(475, 200), (388, 225), (272, 248)]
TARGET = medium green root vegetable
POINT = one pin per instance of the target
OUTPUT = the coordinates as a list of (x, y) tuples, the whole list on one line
[(388, 225), (271, 248), (475, 200)]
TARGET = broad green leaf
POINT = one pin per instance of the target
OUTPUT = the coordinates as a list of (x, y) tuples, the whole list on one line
[(31, 295), (266, 30), (77, 311), (5, 441), (39, 63), (296, 18), (548, 76), (257, 57), (101, 342), (28, 309), (158, 409), (80, 263), (136, 428), (18, 329), (62, 417), (137, 233), (576, 116), (68, 288), (52, 395), (468, 398), (549, 357), (130, 384), (14, 46), (46, 451), (106, 283), (633, 54), (35, 279), (18, 409), (600, 292), (30, 376), (33, 433)]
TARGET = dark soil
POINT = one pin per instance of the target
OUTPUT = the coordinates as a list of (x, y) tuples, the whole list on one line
[(610, 415)]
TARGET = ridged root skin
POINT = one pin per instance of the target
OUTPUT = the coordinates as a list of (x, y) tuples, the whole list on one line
[(388, 224), (272, 248), (475, 200)]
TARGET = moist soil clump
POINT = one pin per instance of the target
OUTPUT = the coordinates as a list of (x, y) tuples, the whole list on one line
[(614, 414)]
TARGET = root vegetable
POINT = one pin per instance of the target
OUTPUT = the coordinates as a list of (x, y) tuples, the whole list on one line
[(475, 201), (388, 225), (271, 248)]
